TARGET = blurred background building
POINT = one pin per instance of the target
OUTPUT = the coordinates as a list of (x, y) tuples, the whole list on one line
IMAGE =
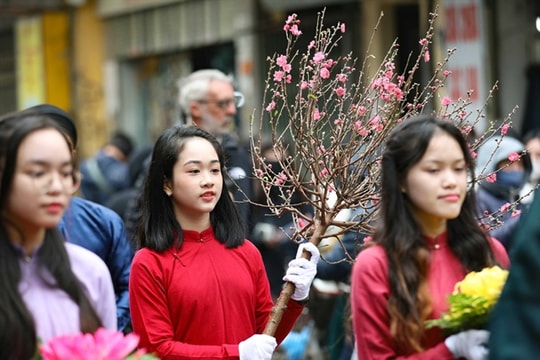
[(113, 64)]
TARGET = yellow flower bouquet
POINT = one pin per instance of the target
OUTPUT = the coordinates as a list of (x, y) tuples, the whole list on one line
[(472, 300)]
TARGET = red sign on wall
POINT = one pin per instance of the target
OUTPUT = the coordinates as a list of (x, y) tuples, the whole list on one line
[(464, 32)]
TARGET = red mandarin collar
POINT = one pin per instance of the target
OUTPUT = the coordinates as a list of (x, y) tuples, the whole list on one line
[(437, 242), (195, 236)]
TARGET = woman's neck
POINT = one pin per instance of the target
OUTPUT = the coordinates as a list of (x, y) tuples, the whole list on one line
[(29, 239), (433, 227), (198, 224)]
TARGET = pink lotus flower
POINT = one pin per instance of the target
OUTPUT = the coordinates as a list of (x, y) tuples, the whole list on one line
[(102, 345)]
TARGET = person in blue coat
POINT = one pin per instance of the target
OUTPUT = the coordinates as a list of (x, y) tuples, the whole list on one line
[(504, 168), (101, 230)]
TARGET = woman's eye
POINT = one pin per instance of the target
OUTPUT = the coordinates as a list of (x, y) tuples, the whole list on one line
[(216, 171), (36, 173)]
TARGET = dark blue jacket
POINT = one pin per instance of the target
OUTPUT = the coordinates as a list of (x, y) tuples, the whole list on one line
[(108, 177), (102, 231), (515, 321)]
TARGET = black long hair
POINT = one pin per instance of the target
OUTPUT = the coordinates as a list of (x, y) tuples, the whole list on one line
[(158, 227), (400, 234), (18, 337)]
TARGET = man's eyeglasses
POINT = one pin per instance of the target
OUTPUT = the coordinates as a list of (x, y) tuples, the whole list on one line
[(237, 100)]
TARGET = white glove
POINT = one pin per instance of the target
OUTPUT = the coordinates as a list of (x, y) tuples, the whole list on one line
[(470, 344), (257, 347), (301, 271)]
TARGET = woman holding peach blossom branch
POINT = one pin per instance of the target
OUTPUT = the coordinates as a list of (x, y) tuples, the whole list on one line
[(427, 240), (198, 288)]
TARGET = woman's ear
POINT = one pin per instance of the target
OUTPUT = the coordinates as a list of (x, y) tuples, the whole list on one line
[(167, 188), (76, 180)]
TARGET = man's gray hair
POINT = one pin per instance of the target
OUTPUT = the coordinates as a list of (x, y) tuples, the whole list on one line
[(195, 87)]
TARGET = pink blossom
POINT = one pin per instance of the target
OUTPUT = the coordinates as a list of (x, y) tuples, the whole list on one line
[(398, 93), (342, 28), (271, 106), (423, 41), (287, 67), (281, 178), (389, 65), (341, 77), (376, 123), (323, 172), (258, 172), (361, 110), (311, 44), (301, 223), (288, 78), (316, 114), (281, 60), (278, 75), (515, 213), (513, 156), (295, 31), (491, 178), (318, 57), (360, 129), (340, 91), (447, 72), (325, 74), (291, 18), (446, 101), (303, 85), (426, 56), (504, 129), (339, 122), (505, 207)]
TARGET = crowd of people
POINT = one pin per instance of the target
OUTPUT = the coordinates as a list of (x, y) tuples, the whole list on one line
[(166, 241)]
